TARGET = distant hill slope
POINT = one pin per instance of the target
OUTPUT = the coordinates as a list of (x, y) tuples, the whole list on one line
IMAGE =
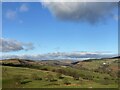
[(18, 62), (57, 62), (91, 64), (118, 57), (108, 64)]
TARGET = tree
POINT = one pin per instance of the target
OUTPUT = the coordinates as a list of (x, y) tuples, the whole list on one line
[(90, 77), (76, 76), (50, 78), (66, 81), (105, 81), (59, 75)]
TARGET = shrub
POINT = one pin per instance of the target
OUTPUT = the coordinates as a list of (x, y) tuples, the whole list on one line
[(53, 70), (59, 75), (106, 78), (53, 80), (90, 77), (97, 77), (62, 71), (39, 78), (36, 77), (44, 68), (112, 79), (66, 81), (50, 78), (25, 81), (76, 76)]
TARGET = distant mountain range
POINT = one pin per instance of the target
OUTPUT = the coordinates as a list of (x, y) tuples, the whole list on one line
[(49, 62)]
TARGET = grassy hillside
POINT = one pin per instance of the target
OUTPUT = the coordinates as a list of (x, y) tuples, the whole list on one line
[(46, 74)]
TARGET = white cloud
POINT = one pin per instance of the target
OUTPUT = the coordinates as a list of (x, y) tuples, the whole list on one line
[(91, 12), (23, 8), (14, 14), (61, 55), (75, 0), (10, 45), (10, 14), (61, 0)]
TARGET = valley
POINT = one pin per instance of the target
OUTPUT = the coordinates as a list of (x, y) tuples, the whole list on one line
[(93, 73)]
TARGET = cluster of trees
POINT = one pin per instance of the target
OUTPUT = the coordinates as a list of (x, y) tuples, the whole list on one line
[(68, 72), (20, 79), (104, 68), (50, 78), (74, 73)]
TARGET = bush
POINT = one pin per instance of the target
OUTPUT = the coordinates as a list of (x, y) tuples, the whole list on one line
[(66, 81), (112, 79), (97, 77), (50, 78), (39, 78), (62, 71), (25, 81), (88, 77), (106, 78), (76, 76), (36, 77), (53, 80), (59, 75), (46, 69), (105, 81)]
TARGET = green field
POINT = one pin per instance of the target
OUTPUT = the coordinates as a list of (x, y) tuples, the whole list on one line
[(41, 76)]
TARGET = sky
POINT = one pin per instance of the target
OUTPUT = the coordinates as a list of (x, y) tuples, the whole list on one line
[(49, 30)]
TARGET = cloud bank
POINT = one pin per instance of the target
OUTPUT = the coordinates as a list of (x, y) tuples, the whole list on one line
[(9, 45), (61, 55), (91, 12)]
